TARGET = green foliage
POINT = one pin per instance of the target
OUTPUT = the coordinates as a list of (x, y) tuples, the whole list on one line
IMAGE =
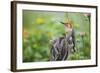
[(39, 27)]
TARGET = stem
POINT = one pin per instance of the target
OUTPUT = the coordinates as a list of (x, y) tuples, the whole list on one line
[(83, 41)]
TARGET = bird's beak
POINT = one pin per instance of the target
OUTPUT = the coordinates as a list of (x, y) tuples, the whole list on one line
[(61, 22)]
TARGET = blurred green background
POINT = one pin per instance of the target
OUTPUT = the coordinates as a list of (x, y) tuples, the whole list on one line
[(39, 27)]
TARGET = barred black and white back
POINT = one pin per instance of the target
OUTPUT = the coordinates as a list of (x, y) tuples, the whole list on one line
[(61, 47)]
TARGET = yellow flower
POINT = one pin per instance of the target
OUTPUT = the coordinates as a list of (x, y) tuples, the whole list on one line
[(49, 34), (39, 20), (25, 33)]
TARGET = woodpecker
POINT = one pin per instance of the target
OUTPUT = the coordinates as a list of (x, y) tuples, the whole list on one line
[(70, 34), (61, 47)]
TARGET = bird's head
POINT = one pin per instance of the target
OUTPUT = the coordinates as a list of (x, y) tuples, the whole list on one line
[(67, 25)]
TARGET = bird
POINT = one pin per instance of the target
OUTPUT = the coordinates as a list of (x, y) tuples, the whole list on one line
[(71, 33), (61, 47)]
